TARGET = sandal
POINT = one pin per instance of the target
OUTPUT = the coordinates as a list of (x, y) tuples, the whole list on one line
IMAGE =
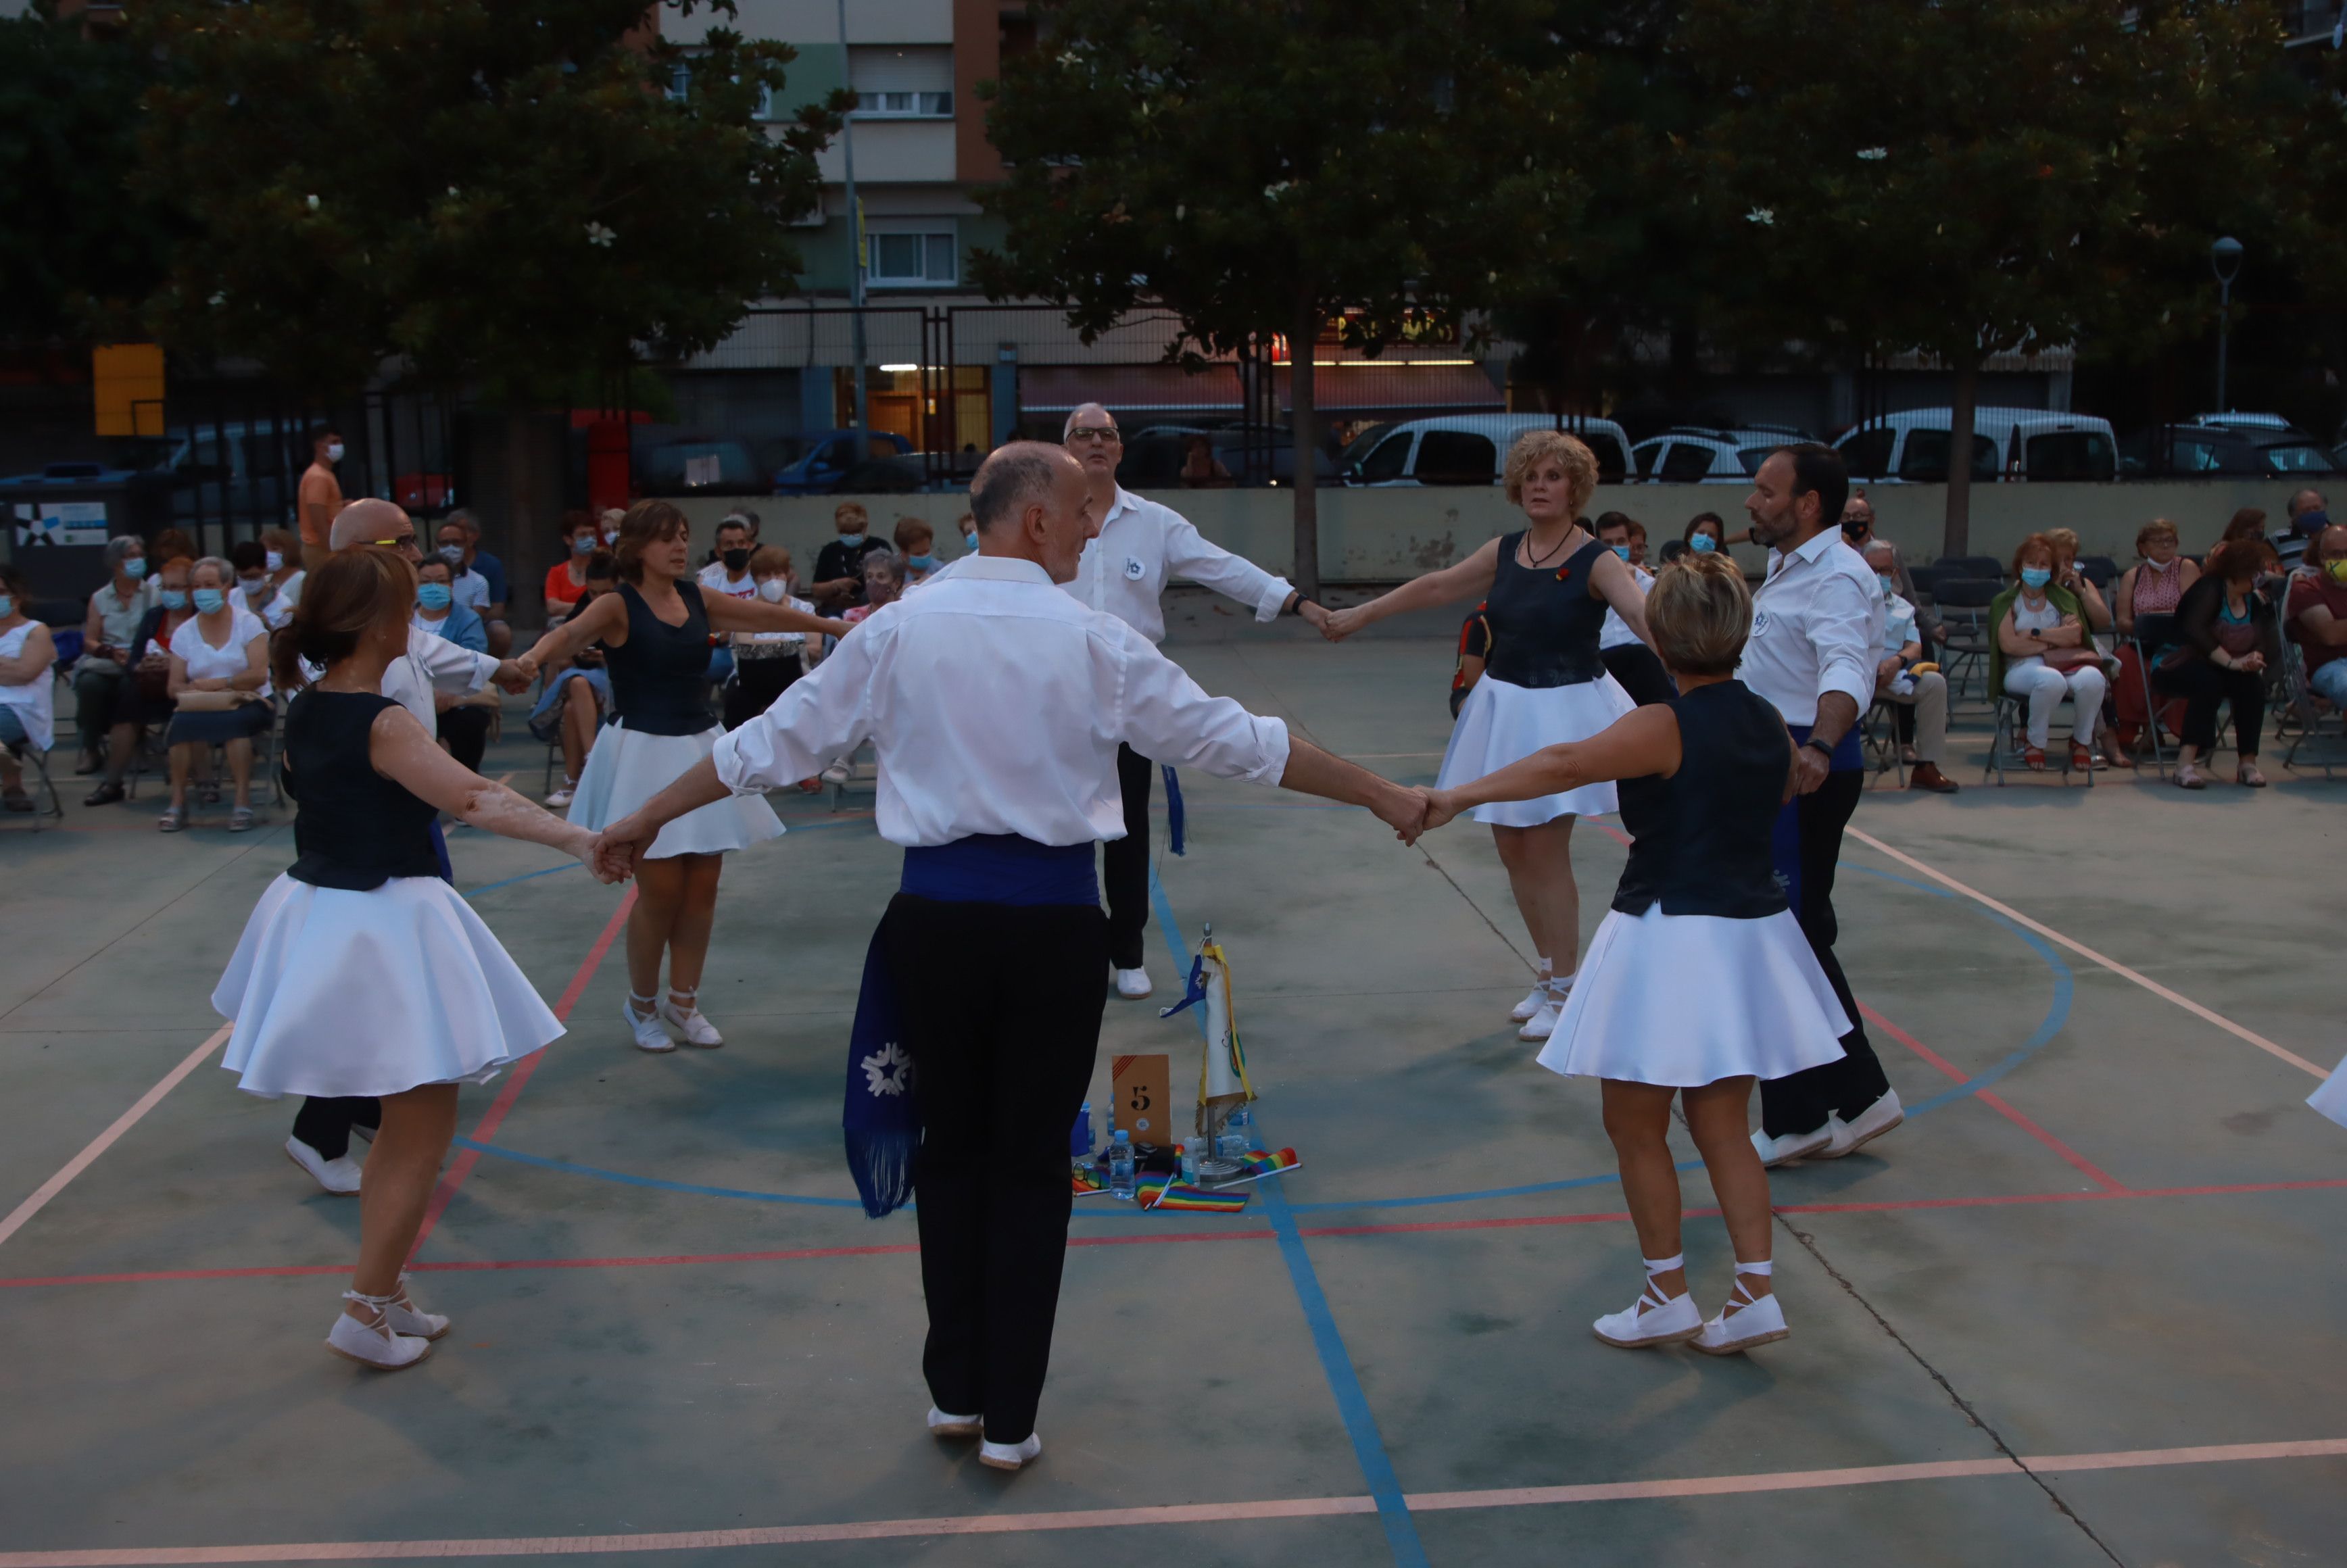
[(2082, 760), (2250, 776), (2035, 757), (2187, 776), (174, 818), (242, 820), (104, 795)]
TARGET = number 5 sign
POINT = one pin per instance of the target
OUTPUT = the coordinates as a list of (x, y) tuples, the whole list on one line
[(1141, 1096)]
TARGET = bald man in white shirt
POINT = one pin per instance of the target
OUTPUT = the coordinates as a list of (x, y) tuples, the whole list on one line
[(1141, 546), (997, 705)]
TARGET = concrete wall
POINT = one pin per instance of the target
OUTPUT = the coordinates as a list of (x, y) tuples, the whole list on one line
[(1385, 534)]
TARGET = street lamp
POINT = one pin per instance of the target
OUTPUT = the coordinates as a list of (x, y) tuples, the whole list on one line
[(2225, 257)]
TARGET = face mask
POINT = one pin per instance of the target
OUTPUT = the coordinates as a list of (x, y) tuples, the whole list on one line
[(135, 568), (7, 606), (275, 561), (210, 599), (1702, 544), (970, 539), (334, 451), (452, 554), (254, 587), (1621, 550), (922, 563), (851, 541), (1889, 584), (773, 590), (174, 598), (584, 545), (434, 596), (2337, 569), (735, 559), (2036, 576)]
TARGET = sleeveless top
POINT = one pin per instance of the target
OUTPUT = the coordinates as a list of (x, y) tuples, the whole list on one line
[(1544, 624), (2158, 589), (354, 829), (1700, 838), (659, 676)]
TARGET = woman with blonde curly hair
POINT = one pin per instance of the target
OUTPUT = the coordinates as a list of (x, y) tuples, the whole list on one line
[(1546, 588)]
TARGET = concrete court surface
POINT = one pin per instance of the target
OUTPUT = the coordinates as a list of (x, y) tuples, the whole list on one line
[(2104, 1245)]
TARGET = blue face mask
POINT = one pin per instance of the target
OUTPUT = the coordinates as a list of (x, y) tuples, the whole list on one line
[(452, 554), (1702, 544), (1889, 584), (7, 606), (175, 598), (583, 545), (434, 596), (1621, 550), (135, 568), (851, 541), (922, 563), (970, 539), (2036, 576), (210, 599)]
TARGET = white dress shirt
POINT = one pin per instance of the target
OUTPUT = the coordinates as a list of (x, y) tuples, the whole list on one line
[(1616, 633), (1141, 545), (997, 704), (431, 663), (1815, 623), (1897, 625)]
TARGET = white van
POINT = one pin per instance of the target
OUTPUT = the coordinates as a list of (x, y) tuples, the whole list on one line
[(1911, 446), (1710, 454), (1470, 448)]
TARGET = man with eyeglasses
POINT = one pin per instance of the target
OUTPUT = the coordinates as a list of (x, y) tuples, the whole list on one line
[(321, 1141), (1123, 571)]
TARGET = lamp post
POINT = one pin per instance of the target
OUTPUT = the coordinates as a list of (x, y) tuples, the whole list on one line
[(855, 253), (2225, 258)]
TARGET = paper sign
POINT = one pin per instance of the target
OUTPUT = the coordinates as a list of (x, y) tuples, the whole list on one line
[(61, 523), (1141, 1099)]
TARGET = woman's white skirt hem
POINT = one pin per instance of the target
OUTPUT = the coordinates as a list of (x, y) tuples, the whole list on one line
[(334, 992), (1690, 999), (628, 767), (1502, 724)]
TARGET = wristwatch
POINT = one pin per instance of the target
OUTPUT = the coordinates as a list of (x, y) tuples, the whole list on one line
[(1296, 603), (1819, 746)]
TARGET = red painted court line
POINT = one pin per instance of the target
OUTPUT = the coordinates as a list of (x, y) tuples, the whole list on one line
[(1163, 1238), (1998, 1104), (494, 1117)]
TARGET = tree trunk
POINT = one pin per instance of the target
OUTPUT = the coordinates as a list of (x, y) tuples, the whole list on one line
[(1301, 342), (1956, 535)]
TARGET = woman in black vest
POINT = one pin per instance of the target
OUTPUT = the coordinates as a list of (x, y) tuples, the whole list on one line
[(1702, 778), (361, 972), (655, 633)]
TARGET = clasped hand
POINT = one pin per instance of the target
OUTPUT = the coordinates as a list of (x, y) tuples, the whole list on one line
[(1412, 811), (612, 854)]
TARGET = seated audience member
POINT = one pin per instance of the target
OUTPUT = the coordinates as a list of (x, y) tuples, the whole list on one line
[(728, 572), (766, 663), (1708, 528), (575, 700), (27, 715), (1627, 659), (748, 520), (967, 525), (1474, 652), (2316, 612), (144, 698), (2155, 584), (280, 558), (884, 584), (107, 638), (463, 721), (2040, 653), (917, 543), (255, 589), (566, 579), (219, 681), (2225, 640), (2310, 514), (2249, 523), (490, 599), (1201, 469), (2082, 588), (1638, 549), (1920, 696), (1857, 533), (839, 565)]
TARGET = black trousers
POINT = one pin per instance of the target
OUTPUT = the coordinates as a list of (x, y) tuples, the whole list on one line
[(1642, 675), (1799, 1104), (1003, 1030), (2203, 686), (1124, 863), (325, 1124), (467, 730), (755, 685)]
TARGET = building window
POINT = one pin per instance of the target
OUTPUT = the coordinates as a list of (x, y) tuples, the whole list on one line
[(912, 259), (904, 106), (902, 82)]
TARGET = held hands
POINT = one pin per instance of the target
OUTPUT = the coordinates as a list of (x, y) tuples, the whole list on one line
[(515, 675), (618, 847), (1441, 805), (1316, 616), (1337, 625), (1403, 810)]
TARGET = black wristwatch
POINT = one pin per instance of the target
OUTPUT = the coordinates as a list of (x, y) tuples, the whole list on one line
[(1819, 746), (1296, 603)]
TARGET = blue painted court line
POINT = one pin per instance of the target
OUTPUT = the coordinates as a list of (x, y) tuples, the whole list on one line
[(1327, 1340)]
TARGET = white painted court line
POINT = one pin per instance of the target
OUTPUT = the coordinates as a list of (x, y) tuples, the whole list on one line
[(1180, 1513), (2050, 934), (106, 1139)]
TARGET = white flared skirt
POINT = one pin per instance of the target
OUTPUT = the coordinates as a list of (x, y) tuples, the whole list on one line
[(1501, 722), (1690, 999), (628, 767), (2331, 1098), (334, 992)]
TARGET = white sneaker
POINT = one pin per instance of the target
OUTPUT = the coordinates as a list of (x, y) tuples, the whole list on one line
[(1775, 1152), (1133, 984), (340, 1178), (1643, 1323), (560, 797), (1542, 1023), (1530, 1005), (406, 1319), (1010, 1456), (650, 1035), (836, 775), (942, 1425), (376, 1345), (1848, 1137), (1753, 1322), (697, 1029)]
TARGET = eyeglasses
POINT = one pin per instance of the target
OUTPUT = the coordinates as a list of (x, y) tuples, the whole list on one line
[(395, 544), (1096, 435)]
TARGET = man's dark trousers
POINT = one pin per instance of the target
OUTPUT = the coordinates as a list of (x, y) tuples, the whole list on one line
[(1124, 862), (1799, 1104)]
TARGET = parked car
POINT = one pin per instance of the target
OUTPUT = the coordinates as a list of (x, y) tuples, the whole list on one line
[(2235, 419), (672, 464), (2196, 450), (1470, 448), (910, 473), (829, 455), (1912, 447), (1250, 455), (1708, 454)]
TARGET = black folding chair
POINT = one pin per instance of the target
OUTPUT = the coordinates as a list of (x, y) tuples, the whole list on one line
[(1964, 613)]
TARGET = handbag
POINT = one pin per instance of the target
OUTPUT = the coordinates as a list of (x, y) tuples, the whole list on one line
[(2068, 658)]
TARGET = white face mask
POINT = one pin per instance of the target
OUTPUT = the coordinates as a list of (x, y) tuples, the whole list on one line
[(773, 590), (275, 559), (334, 451)]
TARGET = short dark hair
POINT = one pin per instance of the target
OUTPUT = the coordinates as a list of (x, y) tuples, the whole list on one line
[(1820, 469), (247, 555), (1012, 477), (1610, 520)]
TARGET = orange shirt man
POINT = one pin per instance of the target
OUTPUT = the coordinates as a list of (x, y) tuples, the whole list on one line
[(319, 498)]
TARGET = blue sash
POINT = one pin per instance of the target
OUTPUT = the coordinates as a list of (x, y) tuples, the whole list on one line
[(1173, 808), (879, 1113), (1001, 868), (1785, 834)]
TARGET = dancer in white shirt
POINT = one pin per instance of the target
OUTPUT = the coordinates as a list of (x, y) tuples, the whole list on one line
[(1141, 546), (997, 705)]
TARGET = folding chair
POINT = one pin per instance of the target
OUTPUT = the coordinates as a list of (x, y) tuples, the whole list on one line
[(1963, 604), (2306, 717), (37, 764), (1879, 739), (2005, 743)]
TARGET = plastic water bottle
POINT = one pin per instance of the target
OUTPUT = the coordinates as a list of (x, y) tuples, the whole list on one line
[(1233, 1144), (1193, 1151), (1120, 1166), (1080, 1137)]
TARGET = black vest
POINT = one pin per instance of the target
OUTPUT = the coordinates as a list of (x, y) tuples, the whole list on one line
[(1699, 839), (659, 676), (1544, 621), (353, 828)]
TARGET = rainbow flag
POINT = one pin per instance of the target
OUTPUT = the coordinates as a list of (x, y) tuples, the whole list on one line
[(1085, 1180), (1258, 1165), (1163, 1195)]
